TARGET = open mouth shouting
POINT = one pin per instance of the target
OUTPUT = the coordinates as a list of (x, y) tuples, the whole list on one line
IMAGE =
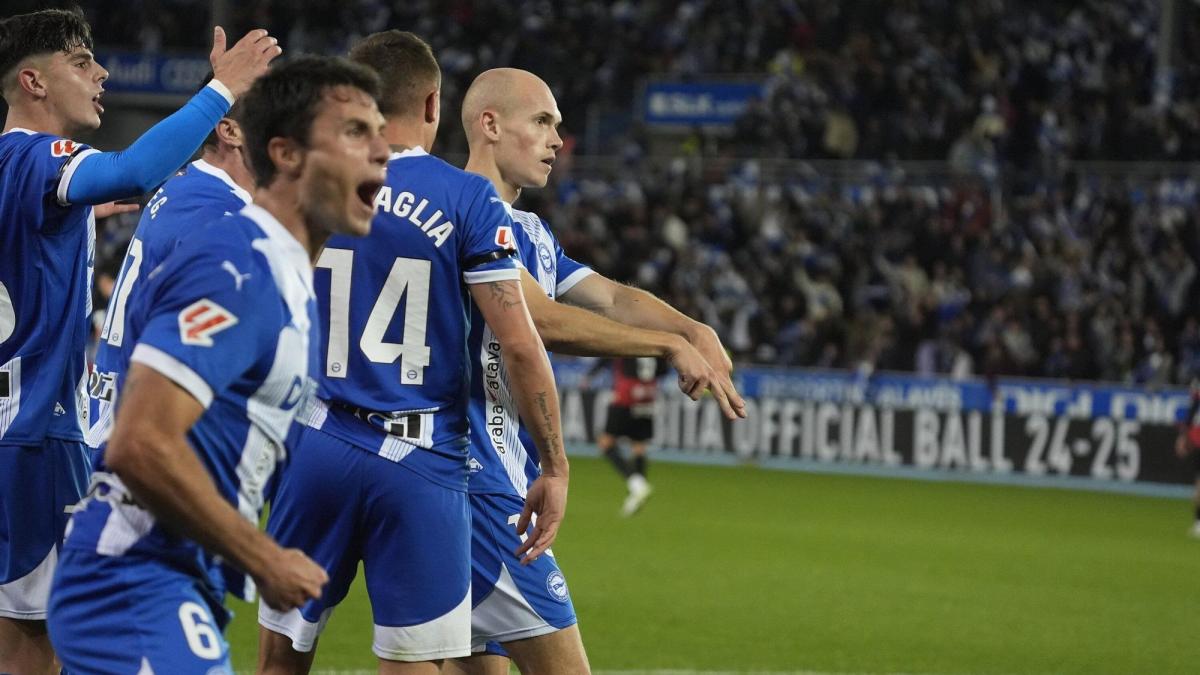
[(366, 193)]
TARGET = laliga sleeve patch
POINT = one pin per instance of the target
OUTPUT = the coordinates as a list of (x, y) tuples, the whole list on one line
[(202, 319), (504, 237), (63, 148)]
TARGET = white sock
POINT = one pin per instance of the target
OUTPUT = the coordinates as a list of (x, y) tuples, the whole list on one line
[(636, 482)]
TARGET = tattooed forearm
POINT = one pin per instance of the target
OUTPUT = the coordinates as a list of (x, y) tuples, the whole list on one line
[(504, 293), (549, 433)]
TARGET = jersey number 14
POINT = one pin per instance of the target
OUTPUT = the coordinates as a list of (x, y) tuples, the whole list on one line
[(409, 276)]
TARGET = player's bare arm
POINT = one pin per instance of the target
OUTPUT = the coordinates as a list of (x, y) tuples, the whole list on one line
[(572, 330), (503, 307), (149, 451), (636, 307)]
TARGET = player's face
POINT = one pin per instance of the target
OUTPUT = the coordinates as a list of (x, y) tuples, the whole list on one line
[(344, 163), (529, 139), (74, 82)]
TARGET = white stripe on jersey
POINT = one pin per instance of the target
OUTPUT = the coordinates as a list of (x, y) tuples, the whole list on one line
[(102, 425), (9, 407), (81, 391), (501, 421), (126, 523), (254, 469), (314, 413), (395, 449)]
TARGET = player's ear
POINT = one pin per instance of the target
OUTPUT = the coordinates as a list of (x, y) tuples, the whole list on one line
[(433, 106), (490, 125), (286, 154), (30, 80), (229, 133)]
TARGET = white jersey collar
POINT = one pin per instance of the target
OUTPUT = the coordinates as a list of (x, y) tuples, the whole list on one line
[(211, 170), (415, 151), (288, 245)]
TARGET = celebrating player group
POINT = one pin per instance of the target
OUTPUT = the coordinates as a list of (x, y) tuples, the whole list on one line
[(316, 313)]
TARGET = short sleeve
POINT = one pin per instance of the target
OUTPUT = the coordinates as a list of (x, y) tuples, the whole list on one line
[(212, 316), (487, 243), (569, 271), (48, 164)]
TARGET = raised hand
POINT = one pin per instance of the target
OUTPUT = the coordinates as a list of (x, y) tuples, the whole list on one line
[(238, 67)]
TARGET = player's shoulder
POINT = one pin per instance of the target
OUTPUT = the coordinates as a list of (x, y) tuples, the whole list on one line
[(530, 219), (431, 169), (532, 225), (38, 146), (228, 241)]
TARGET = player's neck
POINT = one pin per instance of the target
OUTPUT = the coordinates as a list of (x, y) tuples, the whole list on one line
[(481, 165), (231, 163), (402, 135), (19, 117)]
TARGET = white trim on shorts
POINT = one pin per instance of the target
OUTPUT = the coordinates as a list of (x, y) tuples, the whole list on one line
[(505, 615), (292, 625), (446, 637), (26, 599)]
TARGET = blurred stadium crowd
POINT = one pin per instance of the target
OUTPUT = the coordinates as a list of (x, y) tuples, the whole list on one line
[(1001, 256)]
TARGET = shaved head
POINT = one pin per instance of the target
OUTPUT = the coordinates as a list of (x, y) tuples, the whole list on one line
[(511, 120), (501, 91)]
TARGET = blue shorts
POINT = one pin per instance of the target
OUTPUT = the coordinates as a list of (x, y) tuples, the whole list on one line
[(511, 601), (38, 484), (131, 614), (341, 504)]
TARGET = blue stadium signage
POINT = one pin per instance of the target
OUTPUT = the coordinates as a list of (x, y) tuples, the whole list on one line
[(697, 103), (133, 72)]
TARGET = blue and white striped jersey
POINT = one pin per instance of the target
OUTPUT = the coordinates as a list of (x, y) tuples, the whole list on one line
[(230, 317), (45, 289), (394, 311), (199, 194), (504, 459)]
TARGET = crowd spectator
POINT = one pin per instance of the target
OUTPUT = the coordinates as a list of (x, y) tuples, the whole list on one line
[(1002, 257), (1091, 278)]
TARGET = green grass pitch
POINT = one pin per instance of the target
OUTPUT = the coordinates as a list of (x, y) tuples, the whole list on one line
[(746, 570)]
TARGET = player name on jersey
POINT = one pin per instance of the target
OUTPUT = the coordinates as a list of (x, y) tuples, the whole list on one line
[(408, 206)]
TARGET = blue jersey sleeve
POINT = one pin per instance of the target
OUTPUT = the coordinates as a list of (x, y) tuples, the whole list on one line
[(46, 164), (96, 177), (568, 271), (211, 318), (487, 242)]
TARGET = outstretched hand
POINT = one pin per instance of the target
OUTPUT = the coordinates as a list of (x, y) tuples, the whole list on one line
[(709, 345)]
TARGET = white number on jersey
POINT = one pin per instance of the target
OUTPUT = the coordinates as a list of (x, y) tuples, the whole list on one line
[(202, 639), (116, 309), (8, 315), (409, 276)]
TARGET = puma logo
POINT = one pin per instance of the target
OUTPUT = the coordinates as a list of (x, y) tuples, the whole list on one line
[(238, 277)]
